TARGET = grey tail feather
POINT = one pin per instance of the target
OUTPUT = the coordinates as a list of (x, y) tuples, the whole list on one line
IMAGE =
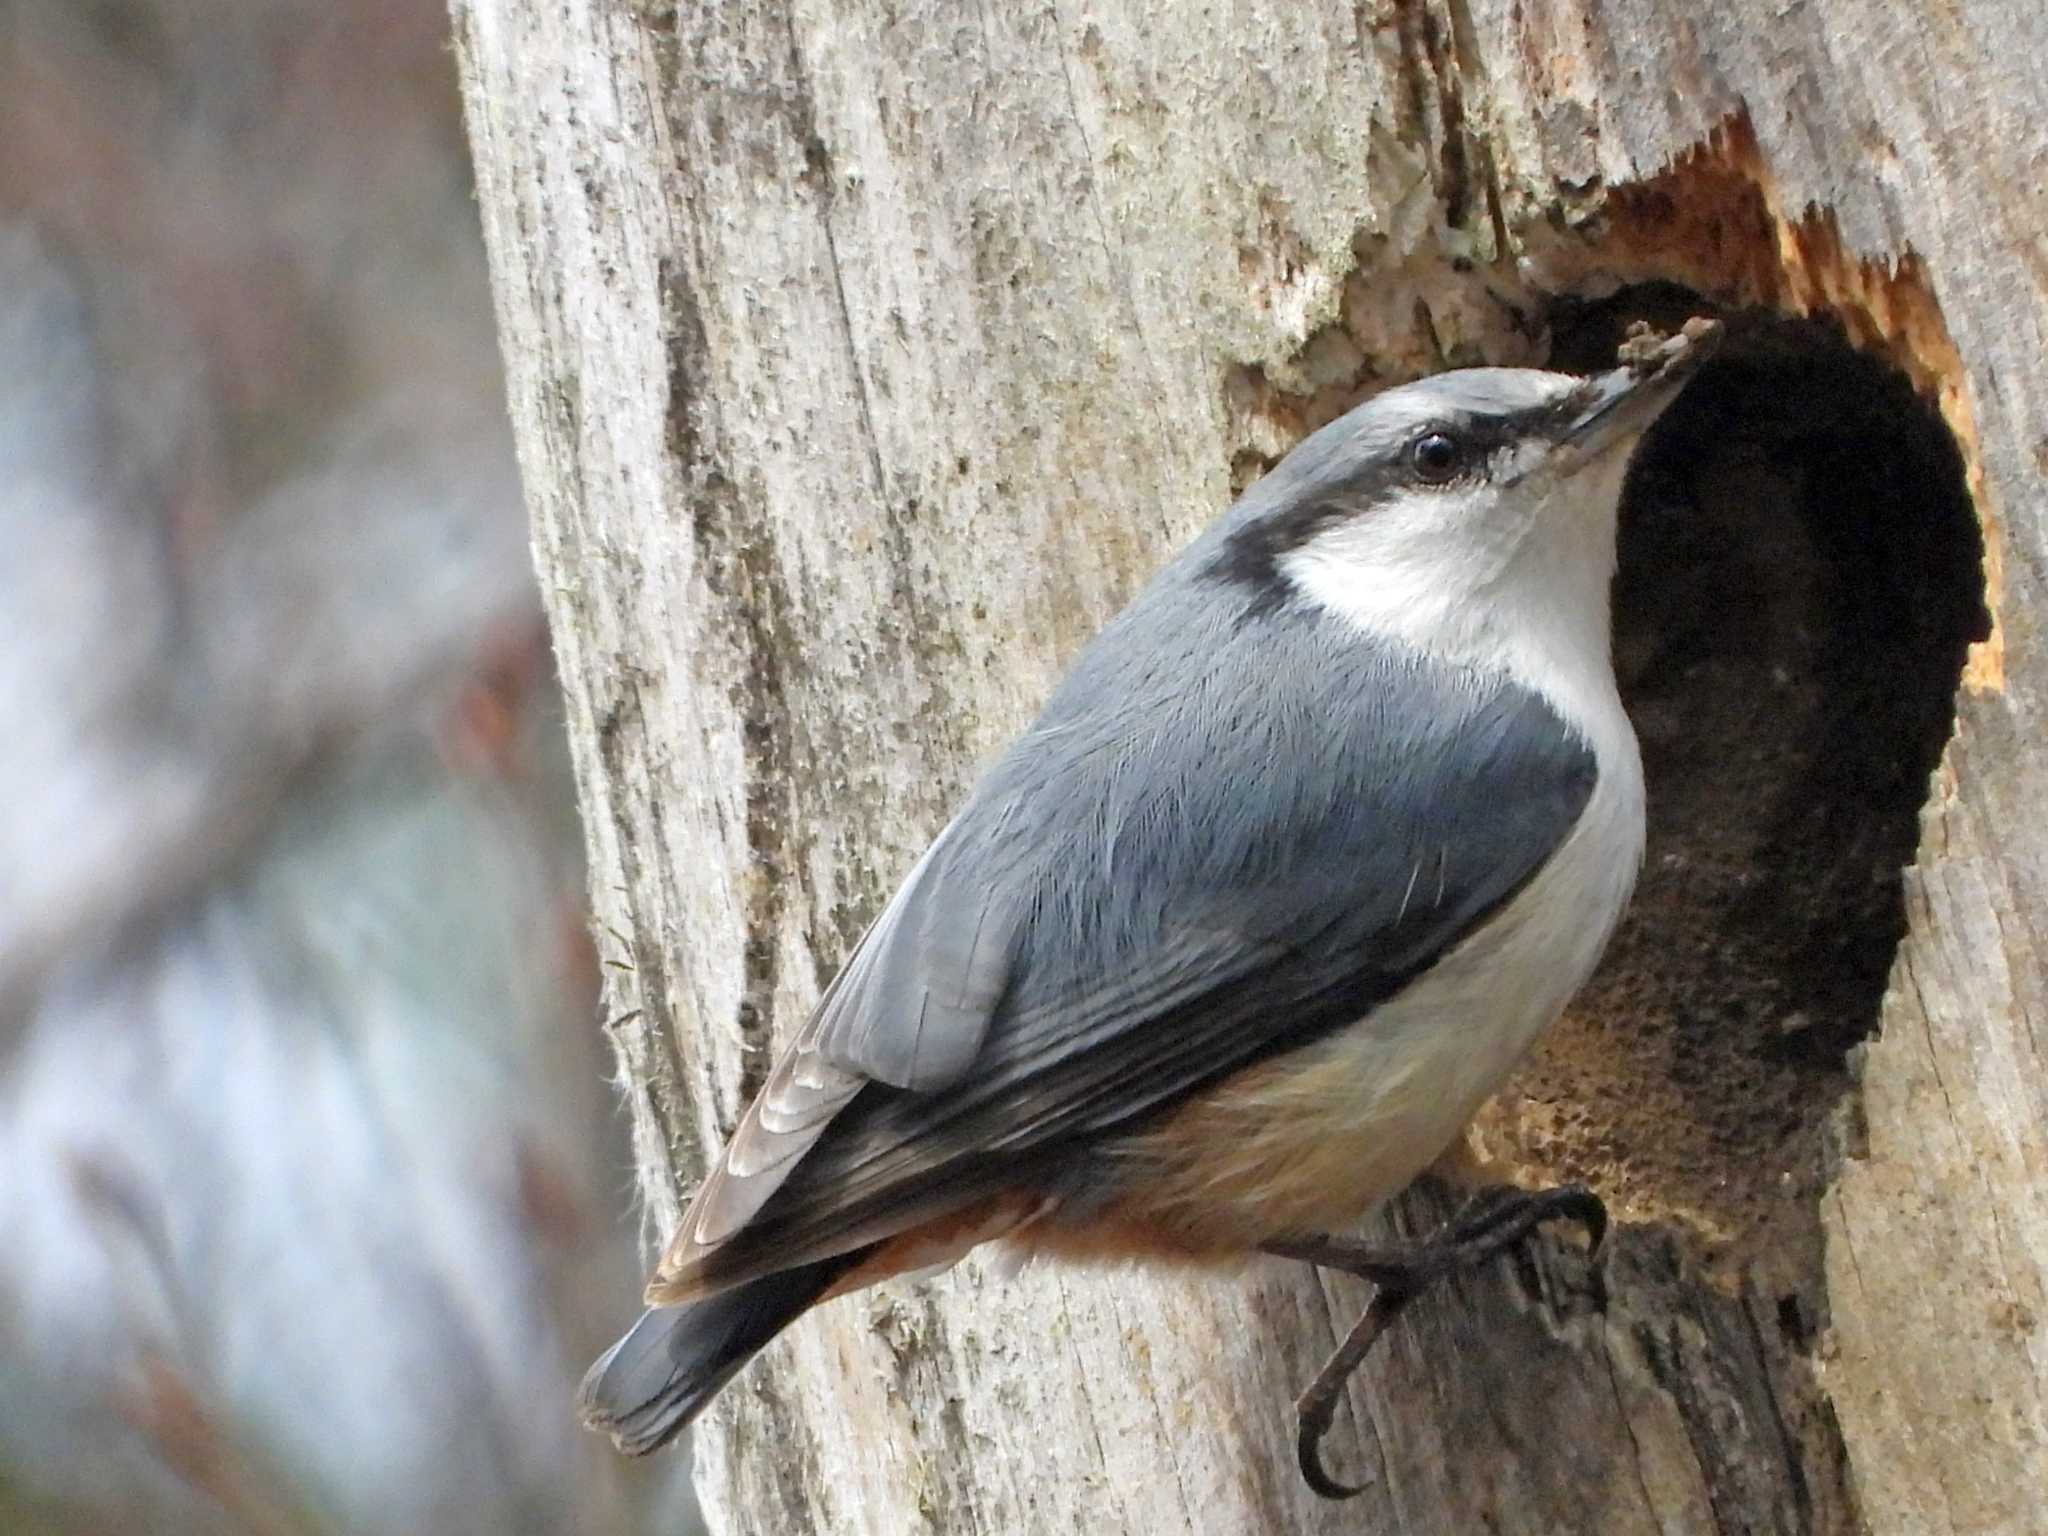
[(646, 1388)]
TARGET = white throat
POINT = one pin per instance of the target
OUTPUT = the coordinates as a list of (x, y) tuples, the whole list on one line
[(1527, 597)]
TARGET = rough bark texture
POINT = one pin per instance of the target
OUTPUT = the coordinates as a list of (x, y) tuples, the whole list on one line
[(863, 358)]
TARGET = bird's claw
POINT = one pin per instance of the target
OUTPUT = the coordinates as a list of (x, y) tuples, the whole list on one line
[(1316, 1409), (1499, 1218), (1489, 1223), (1312, 1426)]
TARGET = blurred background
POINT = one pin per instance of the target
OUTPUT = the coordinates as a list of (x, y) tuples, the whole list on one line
[(313, 1202)]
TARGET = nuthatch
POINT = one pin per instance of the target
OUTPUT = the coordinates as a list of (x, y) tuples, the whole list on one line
[(1314, 840)]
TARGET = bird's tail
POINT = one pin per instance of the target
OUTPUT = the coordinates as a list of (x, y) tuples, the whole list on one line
[(647, 1387)]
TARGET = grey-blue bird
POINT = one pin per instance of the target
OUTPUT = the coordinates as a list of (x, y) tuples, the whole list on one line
[(1315, 839)]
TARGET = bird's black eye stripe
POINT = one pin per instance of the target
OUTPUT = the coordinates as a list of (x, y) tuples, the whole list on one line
[(1436, 456)]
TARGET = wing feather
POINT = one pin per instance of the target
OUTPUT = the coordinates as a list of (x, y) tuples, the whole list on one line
[(923, 960)]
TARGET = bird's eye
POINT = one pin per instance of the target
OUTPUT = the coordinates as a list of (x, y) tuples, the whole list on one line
[(1436, 457)]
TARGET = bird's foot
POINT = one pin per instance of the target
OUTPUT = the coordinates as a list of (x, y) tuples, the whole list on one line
[(1490, 1222)]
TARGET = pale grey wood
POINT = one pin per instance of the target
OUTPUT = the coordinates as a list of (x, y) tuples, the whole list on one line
[(863, 358)]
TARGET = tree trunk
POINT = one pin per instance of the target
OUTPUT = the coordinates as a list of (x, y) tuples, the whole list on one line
[(865, 357)]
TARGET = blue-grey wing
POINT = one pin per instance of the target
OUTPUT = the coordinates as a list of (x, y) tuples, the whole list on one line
[(1173, 876)]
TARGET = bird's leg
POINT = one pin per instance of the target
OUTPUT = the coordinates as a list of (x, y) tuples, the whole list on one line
[(1490, 1222)]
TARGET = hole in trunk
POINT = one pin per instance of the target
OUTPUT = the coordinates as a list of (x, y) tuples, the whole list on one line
[(1800, 580)]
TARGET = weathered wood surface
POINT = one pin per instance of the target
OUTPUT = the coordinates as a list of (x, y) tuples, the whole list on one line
[(864, 357)]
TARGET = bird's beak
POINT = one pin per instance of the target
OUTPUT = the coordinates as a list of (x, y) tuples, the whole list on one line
[(1617, 406)]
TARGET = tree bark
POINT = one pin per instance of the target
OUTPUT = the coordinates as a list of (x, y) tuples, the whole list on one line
[(864, 358)]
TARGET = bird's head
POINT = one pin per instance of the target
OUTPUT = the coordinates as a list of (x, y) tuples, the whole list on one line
[(1467, 511)]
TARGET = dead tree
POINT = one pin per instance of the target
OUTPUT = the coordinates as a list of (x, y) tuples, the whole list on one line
[(864, 357)]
